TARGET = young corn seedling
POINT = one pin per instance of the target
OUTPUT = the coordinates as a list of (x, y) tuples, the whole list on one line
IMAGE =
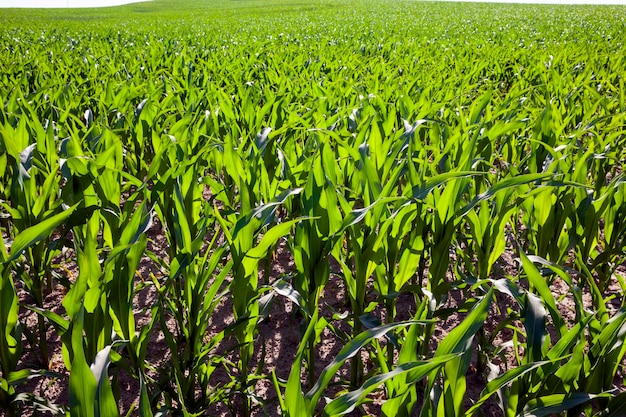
[(614, 243), (193, 289), (10, 336), (546, 212), (89, 386), (100, 308), (441, 204), (402, 240), (360, 226), (314, 240), (297, 402), (246, 251), (358, 267), (556, 377), (495, 206), (402, 389), (488, 237), (446, 398), (34, 200)]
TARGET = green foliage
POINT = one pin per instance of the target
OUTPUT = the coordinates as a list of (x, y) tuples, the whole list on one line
[(403, 152)]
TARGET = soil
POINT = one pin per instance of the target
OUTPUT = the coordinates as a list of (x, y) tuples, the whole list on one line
[(280, 332)]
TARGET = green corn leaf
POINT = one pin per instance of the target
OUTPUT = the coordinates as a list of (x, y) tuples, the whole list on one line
[(569, 339), (182, 231), (83, 384), (400, 406), (498, 383), (479, 107), (421, 192), (286, 290), (89, 268), (259, 252), (61, 324), (458, 341), (539, 283), (357, 215), (568, 375), (612, 336), (295, 403), (105, 401), (144, 400), (514, 182), (348, 351), (262, 212), (38, 232), (557, 403), (21, 376), (607, 352), (415, 370), (535, 325), (10, 333)]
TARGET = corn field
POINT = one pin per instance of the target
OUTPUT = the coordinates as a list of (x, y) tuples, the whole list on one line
[(436, 189)]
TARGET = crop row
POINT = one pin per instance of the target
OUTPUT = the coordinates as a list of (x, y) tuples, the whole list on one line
[(398, 161)]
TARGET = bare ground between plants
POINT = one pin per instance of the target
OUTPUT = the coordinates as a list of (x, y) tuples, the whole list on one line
[(279, 335)]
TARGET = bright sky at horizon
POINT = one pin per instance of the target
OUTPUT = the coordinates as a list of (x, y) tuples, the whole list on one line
[(56, 4), (107, 3), (588, 2)]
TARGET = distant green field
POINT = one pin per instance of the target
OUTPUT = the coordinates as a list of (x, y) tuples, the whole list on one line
[(453, 173)]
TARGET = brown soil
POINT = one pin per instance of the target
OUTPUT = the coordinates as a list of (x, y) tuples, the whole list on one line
[(280, 333)]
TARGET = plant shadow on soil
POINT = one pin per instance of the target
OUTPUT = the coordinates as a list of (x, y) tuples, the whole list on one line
[(279, 336)]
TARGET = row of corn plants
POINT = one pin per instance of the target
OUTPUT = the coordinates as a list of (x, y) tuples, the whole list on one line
[(466, 167)]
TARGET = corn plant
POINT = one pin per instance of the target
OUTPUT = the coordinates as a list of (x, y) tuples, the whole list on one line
[(246, 253), (315, 238), (297, 402), (11, 338), (416, 158), (555, 376), (191, 294), (33, 200)]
